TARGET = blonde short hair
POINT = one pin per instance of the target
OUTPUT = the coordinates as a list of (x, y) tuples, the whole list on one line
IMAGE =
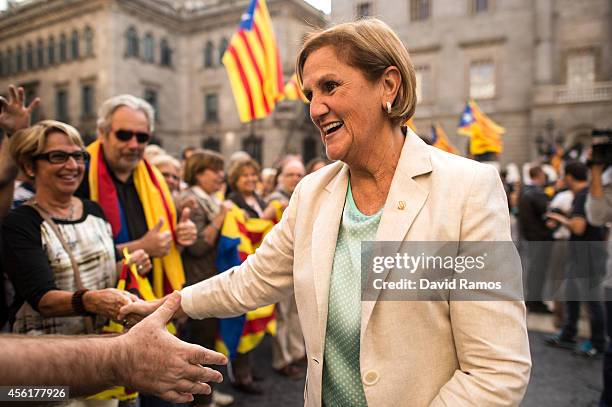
[(27, 143), (235, 171), (371, 46)]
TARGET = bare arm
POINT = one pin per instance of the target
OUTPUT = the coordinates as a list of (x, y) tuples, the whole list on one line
[(172, 370), (106, 302)]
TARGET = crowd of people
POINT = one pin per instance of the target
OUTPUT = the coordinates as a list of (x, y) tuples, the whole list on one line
[(561, 216), (80, 214), (95, 230)]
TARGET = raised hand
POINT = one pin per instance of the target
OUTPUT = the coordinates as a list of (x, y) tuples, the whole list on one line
[(14, 114), (186, 232), (173, 369), (155, 242), (107, 302)]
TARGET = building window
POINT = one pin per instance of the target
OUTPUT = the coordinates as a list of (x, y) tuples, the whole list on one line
[(209, 51), (482, 79), (364, 9), (166, 53), (40, 53), (131, 38), (89, 38), (149, 48), (222, 48), (19, 59), (252, 145), (61, 105), (423, 83), (31, 91), (211, 143), (420, 10), (63, 48), (74, 44), (51, 51), (150, 95), (479, 6), (581, 70), (211, 108), (30, 57), (87, 101)]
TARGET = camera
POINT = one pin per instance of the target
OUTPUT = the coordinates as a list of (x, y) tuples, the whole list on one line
[(602, 146)]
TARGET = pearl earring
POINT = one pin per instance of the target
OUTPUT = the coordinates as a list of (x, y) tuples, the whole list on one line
[(389, 107)]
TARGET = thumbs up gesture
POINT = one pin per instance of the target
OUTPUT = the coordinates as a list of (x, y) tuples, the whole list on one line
[(155, 242), (186, 232)]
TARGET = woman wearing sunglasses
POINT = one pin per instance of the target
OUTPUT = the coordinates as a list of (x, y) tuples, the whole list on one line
[(40, 237)]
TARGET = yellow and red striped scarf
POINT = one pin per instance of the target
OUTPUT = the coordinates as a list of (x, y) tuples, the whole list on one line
[(157, 203)]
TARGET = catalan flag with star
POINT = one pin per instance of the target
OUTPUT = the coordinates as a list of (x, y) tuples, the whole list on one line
[(253, 64), (484, 133)]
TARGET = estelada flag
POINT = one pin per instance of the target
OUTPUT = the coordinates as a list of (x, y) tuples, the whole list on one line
[(239, 238), (484, 133), (253, 64)]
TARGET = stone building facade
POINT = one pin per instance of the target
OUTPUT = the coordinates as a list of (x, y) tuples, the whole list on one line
[(540, 68), (74, 54)]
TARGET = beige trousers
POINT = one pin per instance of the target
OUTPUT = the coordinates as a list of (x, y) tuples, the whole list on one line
[(288, 344)]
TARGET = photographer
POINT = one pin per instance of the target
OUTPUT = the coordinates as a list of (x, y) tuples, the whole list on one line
[(599, 212)]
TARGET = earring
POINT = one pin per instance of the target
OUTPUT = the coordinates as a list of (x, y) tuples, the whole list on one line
[(388, 107)]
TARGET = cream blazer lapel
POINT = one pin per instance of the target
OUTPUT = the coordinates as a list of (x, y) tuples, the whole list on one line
[(324, 237), (404, 202)]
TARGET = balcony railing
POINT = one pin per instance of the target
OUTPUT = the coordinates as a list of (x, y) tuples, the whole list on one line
[(596, 92)]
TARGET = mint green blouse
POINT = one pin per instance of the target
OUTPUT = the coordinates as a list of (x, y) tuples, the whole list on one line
[(341, 371)]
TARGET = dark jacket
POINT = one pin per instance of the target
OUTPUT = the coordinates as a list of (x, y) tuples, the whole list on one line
[(237, 198), (533, 204)]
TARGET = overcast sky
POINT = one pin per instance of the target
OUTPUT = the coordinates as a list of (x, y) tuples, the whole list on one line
[(324, 5)]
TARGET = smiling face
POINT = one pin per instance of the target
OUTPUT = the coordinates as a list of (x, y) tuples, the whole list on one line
[(58, 179), (247, 181), (124, 156), (344, 105)]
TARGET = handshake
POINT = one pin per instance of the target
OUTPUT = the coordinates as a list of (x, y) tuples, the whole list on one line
[(153, 361)]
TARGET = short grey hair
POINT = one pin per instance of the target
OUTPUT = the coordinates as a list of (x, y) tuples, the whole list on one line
[(111, 105)]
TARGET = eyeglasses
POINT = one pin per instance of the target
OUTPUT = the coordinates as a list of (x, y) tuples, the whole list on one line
[(61, 157), (126, 135)]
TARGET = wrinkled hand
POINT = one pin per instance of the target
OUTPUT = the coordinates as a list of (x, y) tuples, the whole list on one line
[(107, 302), (186, 232), (141, 259), (14, 115), (172, 369), (155, 242)]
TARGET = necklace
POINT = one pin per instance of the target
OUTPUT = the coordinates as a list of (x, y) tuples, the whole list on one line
[(70, 216)]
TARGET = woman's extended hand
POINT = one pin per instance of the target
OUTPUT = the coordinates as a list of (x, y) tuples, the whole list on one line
[(107, 302), (139, 309)]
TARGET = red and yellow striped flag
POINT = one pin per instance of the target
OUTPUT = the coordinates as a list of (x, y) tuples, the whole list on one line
[(440, 139), (253, 64), (293, 90)]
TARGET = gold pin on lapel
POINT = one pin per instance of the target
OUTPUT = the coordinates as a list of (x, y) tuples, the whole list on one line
[(401, 205)]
